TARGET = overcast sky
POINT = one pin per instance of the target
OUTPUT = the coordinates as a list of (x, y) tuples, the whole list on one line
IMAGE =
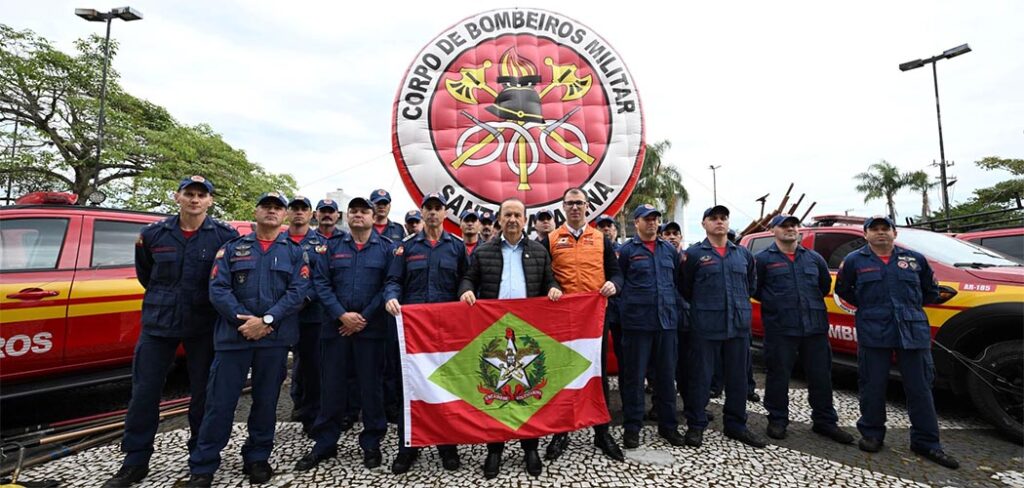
[(775, 92)]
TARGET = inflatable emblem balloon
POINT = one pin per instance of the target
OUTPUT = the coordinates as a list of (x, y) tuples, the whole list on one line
[(519, 103)]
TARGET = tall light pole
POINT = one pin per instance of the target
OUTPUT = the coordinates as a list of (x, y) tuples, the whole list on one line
[(714, 181), (126, 14), (917, 63)]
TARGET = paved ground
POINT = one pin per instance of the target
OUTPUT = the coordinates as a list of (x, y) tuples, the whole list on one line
[(803, 459)]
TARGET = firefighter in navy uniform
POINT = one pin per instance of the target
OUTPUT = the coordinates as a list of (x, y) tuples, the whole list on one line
[(650, 319), (890, 285), (305, 388), (718, 280), (258, 284), (172, 261), (413, 222), (469, 223), (792, 283), (612, 321), (427, 268), (381, 201), (350, 280)]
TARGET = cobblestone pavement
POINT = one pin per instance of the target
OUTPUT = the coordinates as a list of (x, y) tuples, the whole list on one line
[(802, 459)]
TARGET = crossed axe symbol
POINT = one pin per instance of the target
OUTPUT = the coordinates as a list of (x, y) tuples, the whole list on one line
[(472, 79)]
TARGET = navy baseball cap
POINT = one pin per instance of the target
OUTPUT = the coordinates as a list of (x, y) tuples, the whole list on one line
[(878, 218), (604, 219), (379, 196), (413, 215), (359, 202), (545, 212), (276, 196), (486, 216), (668, 225), (196, 180), (716, 210), (782, 219), (469, 213), (327, 202), (431, 196), (644, 210), (299, 198)]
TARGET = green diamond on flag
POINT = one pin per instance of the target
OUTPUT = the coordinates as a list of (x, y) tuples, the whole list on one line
[(510, 371)]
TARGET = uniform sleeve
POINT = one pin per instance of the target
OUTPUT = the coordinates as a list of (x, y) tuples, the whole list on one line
[(623, 261), (396, 272), (471, 280), (846, 281), (298, 286), (929, 287), (751, 274), (324, 287), (689, 275), (612, 269), (143, 261), (221, 294), (376, 305), (760, 266), (824, 277)]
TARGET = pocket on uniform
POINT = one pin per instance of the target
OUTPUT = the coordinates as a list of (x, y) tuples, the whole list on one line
[(165, 266), (158, 307)]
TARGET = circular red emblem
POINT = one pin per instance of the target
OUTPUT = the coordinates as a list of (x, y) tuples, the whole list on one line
[(519, 103)]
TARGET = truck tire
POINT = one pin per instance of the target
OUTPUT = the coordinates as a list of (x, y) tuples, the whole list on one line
[(1000, 365)]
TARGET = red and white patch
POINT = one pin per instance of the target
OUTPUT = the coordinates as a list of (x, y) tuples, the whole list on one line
[(903, 265), (565, 114), (213, 272), (304, 272)]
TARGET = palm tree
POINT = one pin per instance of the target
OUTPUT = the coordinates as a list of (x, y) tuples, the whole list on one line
[(919, 182), (660, 183), (881, 180)]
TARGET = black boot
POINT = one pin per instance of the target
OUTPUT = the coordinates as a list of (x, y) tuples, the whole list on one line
[(127, 476)]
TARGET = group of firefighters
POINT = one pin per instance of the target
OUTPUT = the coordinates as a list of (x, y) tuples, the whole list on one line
[(679, 318)]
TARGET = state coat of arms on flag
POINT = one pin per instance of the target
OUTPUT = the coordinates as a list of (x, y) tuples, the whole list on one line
[(501, 369)]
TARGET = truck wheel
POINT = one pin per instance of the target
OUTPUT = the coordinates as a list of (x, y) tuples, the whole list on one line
[(997, 390)]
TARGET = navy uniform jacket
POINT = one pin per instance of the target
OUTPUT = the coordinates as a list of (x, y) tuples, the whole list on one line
[(684, 306), (246, 281), (175, 273), (889, 297), (393, 231), (792, 293), (648, 298), (313, 311), (718, 290), (613, 314), (419, 273), (352, 280)]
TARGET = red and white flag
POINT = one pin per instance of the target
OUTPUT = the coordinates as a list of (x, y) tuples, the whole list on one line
[(501, 369)]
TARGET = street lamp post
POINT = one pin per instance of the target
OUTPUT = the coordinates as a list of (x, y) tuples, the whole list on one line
[(917, 63), (714, 182), (126, 14)]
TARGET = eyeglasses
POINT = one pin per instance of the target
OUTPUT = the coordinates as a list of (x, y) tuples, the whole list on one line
[(574, 203)]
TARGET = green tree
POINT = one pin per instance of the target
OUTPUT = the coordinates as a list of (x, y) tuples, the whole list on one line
[(919, 181), (881, 180), (660, 183), (53, 99), (1001, 196)]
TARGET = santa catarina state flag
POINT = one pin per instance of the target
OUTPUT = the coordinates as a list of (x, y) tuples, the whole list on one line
[(501, 369)]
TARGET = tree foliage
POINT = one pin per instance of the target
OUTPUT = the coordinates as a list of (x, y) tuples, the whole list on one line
[(882, 180), (53, 99), (660, 184), (1004, 195)]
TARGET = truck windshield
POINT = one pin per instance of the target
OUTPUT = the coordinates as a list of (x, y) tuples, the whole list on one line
[(948, 250)]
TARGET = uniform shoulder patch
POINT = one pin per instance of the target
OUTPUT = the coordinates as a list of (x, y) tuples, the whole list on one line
[(138, 241), (400, 250), (220, 253)]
